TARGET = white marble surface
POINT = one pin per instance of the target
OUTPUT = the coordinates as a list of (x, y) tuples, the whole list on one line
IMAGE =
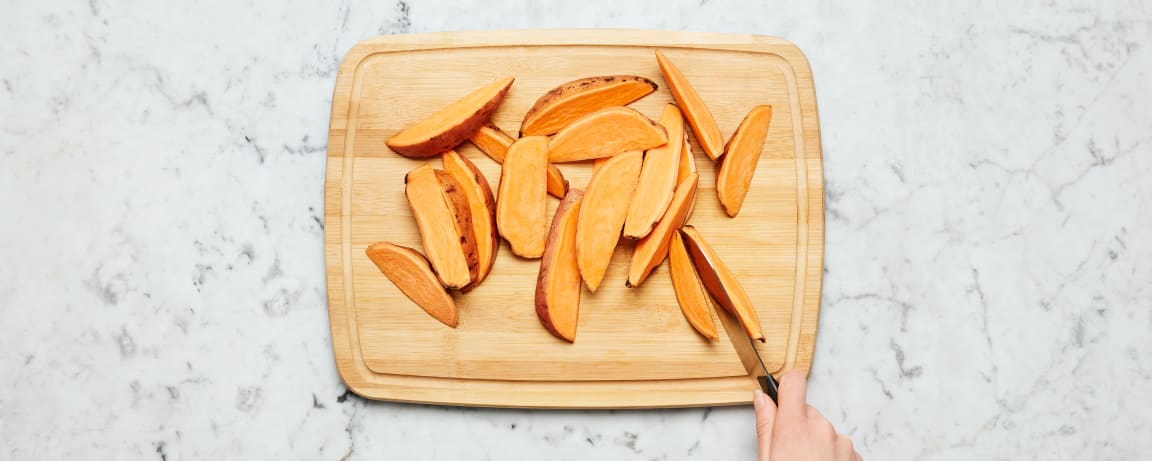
[(988, 292)]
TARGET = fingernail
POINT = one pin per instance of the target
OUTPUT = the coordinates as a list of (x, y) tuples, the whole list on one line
[(759, 398)]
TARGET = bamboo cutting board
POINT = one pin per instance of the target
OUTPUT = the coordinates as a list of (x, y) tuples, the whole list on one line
[(633, 348)]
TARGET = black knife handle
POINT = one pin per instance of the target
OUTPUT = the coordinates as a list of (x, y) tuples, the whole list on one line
[(770, 386)]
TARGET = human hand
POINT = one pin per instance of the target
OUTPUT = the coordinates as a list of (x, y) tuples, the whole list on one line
[(797, 432)]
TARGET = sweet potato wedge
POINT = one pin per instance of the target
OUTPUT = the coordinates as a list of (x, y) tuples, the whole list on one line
[(558, 285), (741, 155), (720, 283), (457, 200), (602, 214), (651, 250), (657, 178), (699, 117), (690, 294), (410, 272), (451, 125), (495, 143), (482, 208), (521, 207), (605, 132), (436, 218), (687, 166), (572, 100)]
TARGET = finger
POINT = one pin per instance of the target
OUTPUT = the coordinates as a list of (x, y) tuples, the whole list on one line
[(858, 457), (844, 449), (813, 414), (765, 419), (793, 392)]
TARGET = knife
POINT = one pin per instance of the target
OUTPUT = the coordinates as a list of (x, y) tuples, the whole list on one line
[(711, 279), (768, 382), (748, 353)]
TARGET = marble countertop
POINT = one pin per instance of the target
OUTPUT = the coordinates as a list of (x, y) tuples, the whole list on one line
[(162, 292)]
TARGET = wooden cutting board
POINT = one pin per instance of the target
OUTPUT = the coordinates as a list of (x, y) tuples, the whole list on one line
[(634, 348)]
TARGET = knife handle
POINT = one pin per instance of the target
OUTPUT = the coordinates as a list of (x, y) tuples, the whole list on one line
[(770, 386)]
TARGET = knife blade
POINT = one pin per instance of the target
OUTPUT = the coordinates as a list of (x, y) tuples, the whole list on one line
[(768, 382), (748, 353)]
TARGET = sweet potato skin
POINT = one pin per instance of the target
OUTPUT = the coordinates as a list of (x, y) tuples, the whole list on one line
[(457, 201), (572, 100), (436, 219), (558, 284), (482, 205), (431, 136)]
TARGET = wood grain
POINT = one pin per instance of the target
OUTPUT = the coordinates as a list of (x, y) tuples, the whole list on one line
[(634, 348)]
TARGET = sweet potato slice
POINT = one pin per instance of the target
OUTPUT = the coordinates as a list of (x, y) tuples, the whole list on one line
[(687, 161), (657, 178), (521, 208), (451, 125), (575, 99), (495, 143), (605, 132), (687, 166), (651, 250), (699, 117), (410, 272), (558, 285), (741, 155), (694, 302), (720, 283), (457, 200), (557, 185), (482, 208), (436, 218), (602, 214)]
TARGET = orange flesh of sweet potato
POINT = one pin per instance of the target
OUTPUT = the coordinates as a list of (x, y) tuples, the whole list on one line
[(451, 125), (690, 292), (558, 285), (410, 272), (495, 143), (575, 99), (602, 214), (521, 206), (657, 178), (720, 282), (687, 161), (481, 204), (457, 200), (437, 223), (699, 117), (741, 156), (605, 132), (651, 250), (557, 185), (687, 166)]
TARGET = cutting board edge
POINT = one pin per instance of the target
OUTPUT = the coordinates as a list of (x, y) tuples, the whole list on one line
[(359, 379)]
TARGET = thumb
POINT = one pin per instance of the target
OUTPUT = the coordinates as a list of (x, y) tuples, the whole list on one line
[(765, 418)]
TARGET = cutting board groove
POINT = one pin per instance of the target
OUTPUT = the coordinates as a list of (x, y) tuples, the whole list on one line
[(634, 348)]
